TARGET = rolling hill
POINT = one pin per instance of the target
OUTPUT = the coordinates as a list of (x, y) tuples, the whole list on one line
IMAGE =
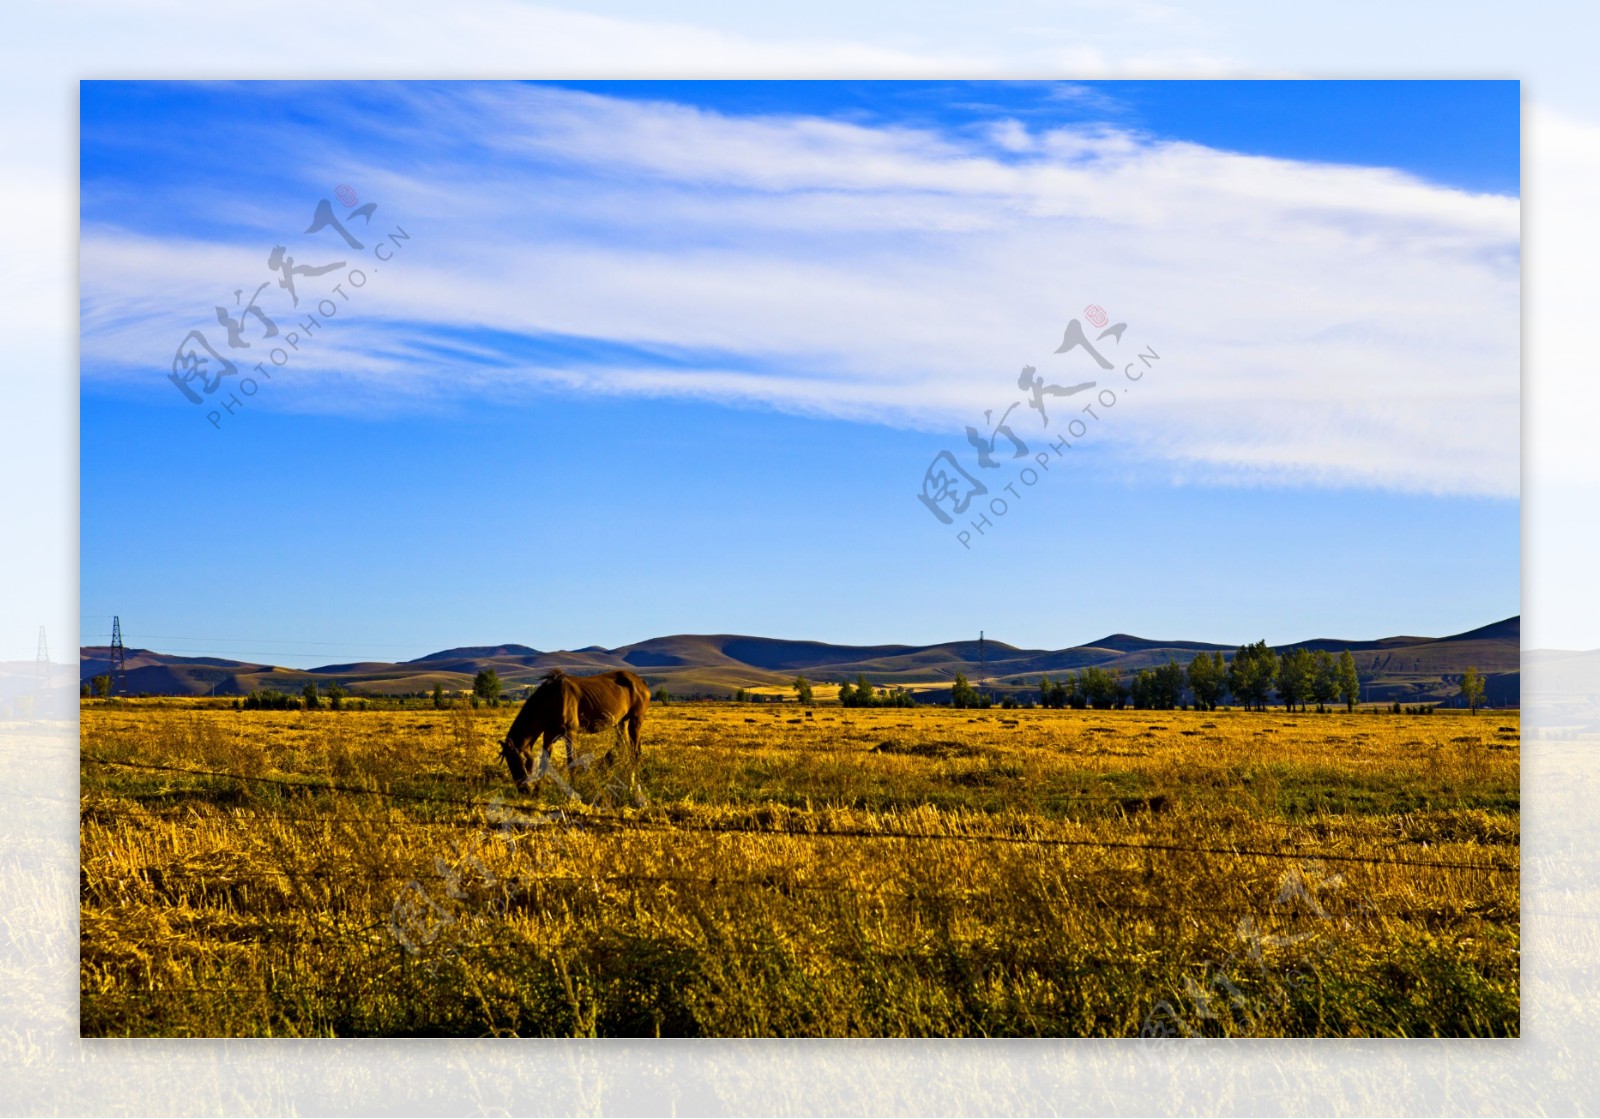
[(1409, 669)]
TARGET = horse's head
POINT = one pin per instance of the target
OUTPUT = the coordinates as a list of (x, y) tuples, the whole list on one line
[(518, 762)]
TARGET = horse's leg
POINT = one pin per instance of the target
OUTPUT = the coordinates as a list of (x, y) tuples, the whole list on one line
[(636, 758), (524, 751), (570, 732), (544, 756)]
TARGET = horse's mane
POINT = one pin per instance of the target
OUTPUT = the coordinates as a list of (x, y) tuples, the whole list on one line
[(551, 679)]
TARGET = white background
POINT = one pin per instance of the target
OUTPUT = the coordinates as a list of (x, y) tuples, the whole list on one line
[(44, 1068)]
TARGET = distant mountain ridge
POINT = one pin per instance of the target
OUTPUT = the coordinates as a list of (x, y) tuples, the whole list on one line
[(1407, 668), (478, 651)]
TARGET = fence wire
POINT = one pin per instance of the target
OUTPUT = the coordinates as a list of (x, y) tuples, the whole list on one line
[(618, 823)]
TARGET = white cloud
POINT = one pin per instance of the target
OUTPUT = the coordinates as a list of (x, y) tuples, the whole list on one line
[(1318, 324), (1011, 135)]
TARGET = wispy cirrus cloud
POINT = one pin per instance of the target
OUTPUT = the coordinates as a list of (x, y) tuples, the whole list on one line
[(1319, 324)]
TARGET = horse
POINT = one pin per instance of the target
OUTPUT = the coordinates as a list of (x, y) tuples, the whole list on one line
[(562, 706)]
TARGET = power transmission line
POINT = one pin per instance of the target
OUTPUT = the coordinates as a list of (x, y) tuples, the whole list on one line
[(118, 668), (274, 641)]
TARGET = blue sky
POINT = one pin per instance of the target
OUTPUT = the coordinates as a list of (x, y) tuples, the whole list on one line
[(673, 357)]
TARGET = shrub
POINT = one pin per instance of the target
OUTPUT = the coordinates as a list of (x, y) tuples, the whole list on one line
[(266, 700), (963, 694), (486, 687)]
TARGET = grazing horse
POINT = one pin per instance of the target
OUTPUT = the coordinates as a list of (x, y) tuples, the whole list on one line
[(562, 706)]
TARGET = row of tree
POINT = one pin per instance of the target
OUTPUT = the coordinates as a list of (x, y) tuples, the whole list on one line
[(1299, 677), (863, 694), (335, 696), (1256, 672)]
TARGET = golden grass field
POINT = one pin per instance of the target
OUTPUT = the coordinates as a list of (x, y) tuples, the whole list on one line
[(789, 872)]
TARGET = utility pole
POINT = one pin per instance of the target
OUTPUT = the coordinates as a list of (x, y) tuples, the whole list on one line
[(118, 668), (982, 661), (41, 664)]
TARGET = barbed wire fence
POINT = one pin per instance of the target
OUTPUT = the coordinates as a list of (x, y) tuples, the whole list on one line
[(428, 905), (595, 820)]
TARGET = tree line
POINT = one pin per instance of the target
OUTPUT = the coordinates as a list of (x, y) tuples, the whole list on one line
[(1256, 673), (863, 694), (1299, 677)]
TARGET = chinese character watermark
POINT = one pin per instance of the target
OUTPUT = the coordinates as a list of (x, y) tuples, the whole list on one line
[(420, 916), (200, 371), (1242, 993), (949, 489)]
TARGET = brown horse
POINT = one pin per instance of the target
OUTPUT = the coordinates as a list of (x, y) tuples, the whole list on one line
[(562, 706)]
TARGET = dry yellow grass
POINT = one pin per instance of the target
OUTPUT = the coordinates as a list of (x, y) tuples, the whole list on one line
[(834, 872)]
